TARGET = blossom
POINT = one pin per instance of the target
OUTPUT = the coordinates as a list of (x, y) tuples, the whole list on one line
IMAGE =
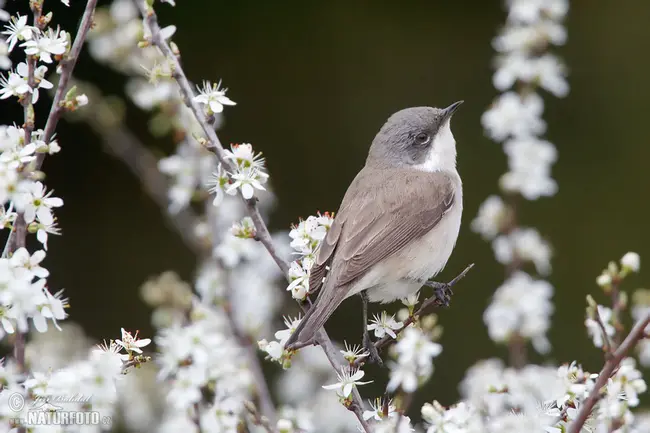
[(13, 85), (348, 379), (299, 276), (292, 325), (353, 353), (17, 156), (28, 266), (247, 180), (455, 419), (213, 97), (244, 156), (593, 327), (631, 381), (384, 324), (377, 412), (38, 205), (18, 30), (631, 262), (54, 42), (521, 306), (531, 11), (523, 244), (513, 115), (491, 215), (131, 342), (414, 352), (529, 162), (44, 230)]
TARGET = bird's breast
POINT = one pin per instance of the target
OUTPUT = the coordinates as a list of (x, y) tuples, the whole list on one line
[(402, 273)]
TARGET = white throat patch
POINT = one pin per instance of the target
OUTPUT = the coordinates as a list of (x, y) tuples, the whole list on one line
[(442, 155)]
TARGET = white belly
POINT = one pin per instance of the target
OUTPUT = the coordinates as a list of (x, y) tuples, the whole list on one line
[(403, 273)]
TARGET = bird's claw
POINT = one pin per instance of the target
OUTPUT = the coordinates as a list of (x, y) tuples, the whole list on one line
[(442, 291), (372, 350)]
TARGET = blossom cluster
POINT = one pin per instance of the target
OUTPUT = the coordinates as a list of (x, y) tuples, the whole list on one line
[(87, 384), (305, 239), (524, 64)]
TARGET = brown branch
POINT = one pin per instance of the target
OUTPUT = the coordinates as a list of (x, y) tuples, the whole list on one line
[(262, 232), (427, 304), (214, 144), (636, 334), (67, 65)]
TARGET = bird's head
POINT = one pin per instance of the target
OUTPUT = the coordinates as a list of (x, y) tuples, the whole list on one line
[(417, 137)]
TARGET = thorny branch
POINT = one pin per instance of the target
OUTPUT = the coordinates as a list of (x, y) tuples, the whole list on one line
[(636, 334), (214, 144)]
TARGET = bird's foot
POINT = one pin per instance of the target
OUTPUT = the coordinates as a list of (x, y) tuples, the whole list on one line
[(369, 346), (442, 291)]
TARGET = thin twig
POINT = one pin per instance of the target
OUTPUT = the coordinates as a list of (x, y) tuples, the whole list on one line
[(67, 66), (427, 304), (636, 334), (609, 348), (262, 232)]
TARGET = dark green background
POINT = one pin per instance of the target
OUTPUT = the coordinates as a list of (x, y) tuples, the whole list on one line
[(314, 81)]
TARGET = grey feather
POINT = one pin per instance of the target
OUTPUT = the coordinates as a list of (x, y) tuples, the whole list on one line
[(382, 212)]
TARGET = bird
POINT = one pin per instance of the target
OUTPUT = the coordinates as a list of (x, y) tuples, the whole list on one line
[(397, 224)]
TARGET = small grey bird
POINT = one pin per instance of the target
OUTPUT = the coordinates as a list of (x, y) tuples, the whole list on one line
[(398, 222)]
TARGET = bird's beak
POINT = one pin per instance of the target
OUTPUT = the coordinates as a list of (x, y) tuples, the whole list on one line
[(447, 112)]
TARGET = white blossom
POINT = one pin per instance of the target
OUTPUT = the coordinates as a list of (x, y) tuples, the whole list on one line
[(521, 306), (631, 261), (594, 329), (383, 324), (13, 85), (523, 244), (37, 205), (414, 352), (213, 97), (513, 115), (490, 219), (53, 42), (348, 379), (131, 343), (529, 161), (18, 30)]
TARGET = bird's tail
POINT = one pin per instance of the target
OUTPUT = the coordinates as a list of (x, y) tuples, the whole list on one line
[(326, 302)]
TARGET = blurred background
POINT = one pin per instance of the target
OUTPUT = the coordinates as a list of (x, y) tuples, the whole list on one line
[(313, 82)]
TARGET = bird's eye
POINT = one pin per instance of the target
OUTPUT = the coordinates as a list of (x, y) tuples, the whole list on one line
[(422, 138)]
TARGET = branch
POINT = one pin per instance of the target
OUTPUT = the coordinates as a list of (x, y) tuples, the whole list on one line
[(14, 241), (636, 334), (67, 66), (214, 144), (427, 304)]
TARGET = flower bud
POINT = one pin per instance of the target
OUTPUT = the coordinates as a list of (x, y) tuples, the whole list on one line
[(285, 426), (631, 262)]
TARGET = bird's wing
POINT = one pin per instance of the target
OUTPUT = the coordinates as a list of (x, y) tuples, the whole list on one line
[(378, 219), (380, 214), (384, 221)]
